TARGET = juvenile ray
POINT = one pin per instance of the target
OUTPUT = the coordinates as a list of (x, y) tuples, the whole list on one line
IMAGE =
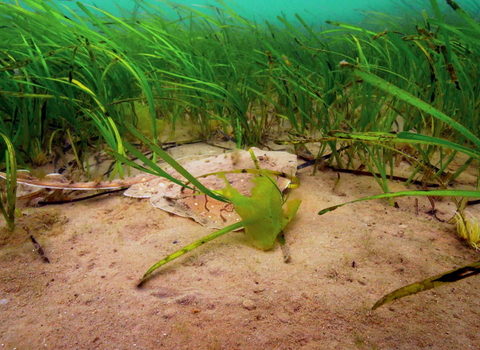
[(205, 210)]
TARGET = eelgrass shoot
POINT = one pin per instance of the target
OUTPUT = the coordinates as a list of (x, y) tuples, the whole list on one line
[(468, 229), (8, 188)]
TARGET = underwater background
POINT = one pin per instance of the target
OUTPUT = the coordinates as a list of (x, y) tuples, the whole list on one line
[(314, 12), (385, 89)]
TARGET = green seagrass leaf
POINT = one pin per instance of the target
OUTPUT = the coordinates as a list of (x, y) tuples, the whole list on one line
[(262, 213)]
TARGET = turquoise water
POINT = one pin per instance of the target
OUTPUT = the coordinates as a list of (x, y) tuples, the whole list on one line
[(314, 12), (268, 9)]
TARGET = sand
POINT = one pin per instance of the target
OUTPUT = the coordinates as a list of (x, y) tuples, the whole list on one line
[(228, 295)]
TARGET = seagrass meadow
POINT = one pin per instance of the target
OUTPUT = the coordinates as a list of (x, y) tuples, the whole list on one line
[(381, 115)]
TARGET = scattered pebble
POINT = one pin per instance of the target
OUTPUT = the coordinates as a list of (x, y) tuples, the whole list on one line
[(258, 289), (284, 317), (248, 304), (169, 313)]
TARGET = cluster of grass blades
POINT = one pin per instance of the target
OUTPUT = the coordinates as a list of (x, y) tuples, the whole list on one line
[(70, 81), (468, 229), (463, 138), (219, 71)]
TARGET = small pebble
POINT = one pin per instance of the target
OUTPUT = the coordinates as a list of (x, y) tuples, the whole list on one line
[(258, 289), (169, 313), (284, 317), (249, 304)]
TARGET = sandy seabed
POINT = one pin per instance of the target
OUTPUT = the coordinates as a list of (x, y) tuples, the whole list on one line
[(228, 295)]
